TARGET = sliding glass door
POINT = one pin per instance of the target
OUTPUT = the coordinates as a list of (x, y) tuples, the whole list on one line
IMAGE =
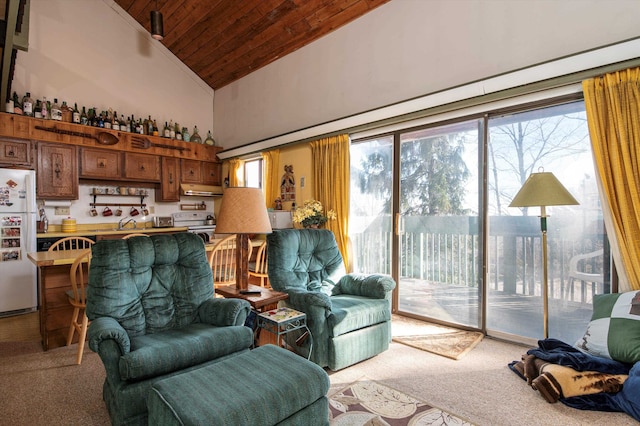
[(439, 252), (554, 139), (430, 206), (370, 221)]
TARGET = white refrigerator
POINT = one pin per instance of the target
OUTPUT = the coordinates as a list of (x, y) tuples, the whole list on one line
[(18, 275)]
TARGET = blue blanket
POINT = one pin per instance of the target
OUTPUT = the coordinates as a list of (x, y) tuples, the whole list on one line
[(627, 400)]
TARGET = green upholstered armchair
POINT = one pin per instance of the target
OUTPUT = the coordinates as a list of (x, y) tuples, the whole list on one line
[(349, 315), (153, 315)]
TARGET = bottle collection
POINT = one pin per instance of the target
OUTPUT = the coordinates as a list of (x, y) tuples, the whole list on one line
[(109, 119)]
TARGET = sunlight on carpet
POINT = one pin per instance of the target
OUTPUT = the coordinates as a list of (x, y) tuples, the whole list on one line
[(367, 402), (445, 341)]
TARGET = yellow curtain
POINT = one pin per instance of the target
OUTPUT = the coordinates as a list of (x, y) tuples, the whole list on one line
[(235, 168), (330, 167), (613, 111), (271, 187)]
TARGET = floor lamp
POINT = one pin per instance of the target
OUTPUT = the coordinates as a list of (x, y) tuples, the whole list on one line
[(543, 189), (242, 212)]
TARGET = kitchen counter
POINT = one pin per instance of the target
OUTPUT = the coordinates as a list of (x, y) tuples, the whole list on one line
[(85, 230)]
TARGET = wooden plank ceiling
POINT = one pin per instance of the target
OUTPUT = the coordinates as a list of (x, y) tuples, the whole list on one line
[(224, 40)]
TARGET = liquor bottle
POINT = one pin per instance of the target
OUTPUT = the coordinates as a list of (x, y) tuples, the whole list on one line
[(178, 132), (150, 126), (155, 131), (76, 114), (27, 105), (172, 130), (166, 132), (107, 117), (115, 123), (45, 109), (209, 140), (66, 113), (93, 117), (37, 112), (127, 124), (84, 119), (56, 112), (195, 137), (185, 135), (101, 119), (17, 104)]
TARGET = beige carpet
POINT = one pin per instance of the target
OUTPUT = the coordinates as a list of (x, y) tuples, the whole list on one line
[(440, 340), (367, 402), (47, 388)]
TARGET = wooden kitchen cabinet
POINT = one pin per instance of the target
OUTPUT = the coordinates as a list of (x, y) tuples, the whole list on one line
[(142, 167), (201, 172), (16, 152), (57, 172), (212, 173), (191, 171), (15, 125), (100, 164), (170, 185)]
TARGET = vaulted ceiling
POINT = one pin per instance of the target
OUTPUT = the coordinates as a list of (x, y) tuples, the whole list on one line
[(224, 40)]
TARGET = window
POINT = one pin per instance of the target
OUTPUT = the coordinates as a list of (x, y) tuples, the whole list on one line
[(253, 173)]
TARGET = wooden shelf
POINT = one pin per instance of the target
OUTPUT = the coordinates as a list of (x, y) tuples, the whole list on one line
[(118, 204), (141, 203)]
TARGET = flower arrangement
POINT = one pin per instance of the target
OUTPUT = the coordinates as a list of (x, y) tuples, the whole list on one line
[(310, 214)]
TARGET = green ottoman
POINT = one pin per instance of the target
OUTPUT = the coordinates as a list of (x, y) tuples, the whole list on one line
[(266, 386)]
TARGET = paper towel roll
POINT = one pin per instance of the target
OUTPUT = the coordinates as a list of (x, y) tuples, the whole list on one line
[(57, 203)]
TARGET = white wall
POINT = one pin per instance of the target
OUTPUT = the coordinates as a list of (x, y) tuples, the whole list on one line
[(410, 48), (93, 53)]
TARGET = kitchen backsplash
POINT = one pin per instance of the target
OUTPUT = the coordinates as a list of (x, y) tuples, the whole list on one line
[(80, 209)]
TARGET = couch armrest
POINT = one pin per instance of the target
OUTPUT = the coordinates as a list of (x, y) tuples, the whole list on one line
[(377, 286), (106, 328), (224, 312), (300, 298)]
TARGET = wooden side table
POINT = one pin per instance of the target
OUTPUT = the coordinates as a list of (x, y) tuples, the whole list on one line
[(265, 301)]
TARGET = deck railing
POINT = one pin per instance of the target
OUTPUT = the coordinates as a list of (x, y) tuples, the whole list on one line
[(448, 251)]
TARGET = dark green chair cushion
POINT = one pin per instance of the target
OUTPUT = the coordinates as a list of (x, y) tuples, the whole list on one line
[(149, 284), (266, 386), (350, 313), (160, 353)]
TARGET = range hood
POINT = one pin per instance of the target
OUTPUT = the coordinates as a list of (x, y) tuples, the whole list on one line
[(200, 190)]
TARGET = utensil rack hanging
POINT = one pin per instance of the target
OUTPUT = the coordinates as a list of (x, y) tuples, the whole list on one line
[(95, 204)]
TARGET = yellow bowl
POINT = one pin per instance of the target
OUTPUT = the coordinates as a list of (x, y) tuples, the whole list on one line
[(69, 225)]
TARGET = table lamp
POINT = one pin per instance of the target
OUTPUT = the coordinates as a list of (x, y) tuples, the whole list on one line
[(242, 212), (543, 189)]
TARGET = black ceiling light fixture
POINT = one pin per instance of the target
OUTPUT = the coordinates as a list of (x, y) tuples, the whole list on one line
[(157, 29)]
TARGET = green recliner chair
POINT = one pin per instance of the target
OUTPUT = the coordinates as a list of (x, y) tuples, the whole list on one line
[(153, 315), (349, 315)]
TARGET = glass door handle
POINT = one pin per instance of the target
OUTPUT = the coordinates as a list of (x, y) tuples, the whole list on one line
[(399, 224)]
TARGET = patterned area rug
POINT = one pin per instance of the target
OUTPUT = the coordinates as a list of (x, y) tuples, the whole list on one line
[(367, 403)]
